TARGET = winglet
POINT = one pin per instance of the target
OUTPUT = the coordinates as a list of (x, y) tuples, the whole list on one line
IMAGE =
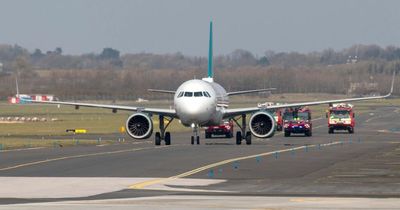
[(210, 54), (391, 88)]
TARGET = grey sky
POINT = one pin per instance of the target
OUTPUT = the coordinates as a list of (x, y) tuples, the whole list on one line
[(168, 26)]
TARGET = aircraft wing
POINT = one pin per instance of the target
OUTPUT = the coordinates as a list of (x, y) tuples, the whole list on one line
[(239, 111), (158, 111), (249, 91), (161, 91)]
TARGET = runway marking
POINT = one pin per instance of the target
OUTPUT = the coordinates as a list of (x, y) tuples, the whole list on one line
[(24, 149), (80, 156), (142, 185)]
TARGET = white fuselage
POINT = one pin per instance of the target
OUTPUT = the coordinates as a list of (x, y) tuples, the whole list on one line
[(200, 103)]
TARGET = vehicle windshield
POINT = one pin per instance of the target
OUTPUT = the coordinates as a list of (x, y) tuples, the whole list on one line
[(340, 114), (291, 116)]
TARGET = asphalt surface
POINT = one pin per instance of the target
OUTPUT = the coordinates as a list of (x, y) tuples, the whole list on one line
[(363, 164)]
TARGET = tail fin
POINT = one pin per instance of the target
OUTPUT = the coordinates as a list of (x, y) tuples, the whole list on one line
[(210, 54)]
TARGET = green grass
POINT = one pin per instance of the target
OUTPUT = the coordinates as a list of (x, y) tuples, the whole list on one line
[(103, 121)]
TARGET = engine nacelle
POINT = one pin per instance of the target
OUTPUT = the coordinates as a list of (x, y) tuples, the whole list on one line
[(139, 126), (262, 124)]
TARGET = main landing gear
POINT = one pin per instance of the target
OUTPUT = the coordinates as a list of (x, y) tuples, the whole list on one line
[(195, 137), (162, 135), (246, 135)]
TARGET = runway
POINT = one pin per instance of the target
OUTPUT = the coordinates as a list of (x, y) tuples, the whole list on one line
[(364, 164)]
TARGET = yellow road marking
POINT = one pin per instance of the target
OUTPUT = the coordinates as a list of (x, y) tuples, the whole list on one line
[(78, 156), (144, 184)]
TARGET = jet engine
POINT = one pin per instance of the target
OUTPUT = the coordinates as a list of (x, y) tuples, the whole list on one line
[(262, 124), (139, 126)]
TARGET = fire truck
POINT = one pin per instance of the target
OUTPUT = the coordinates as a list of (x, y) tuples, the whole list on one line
[(340, 117), (278, 119), (225, 128), (297, 121)]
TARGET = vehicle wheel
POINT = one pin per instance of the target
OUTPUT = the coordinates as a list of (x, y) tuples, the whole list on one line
[(330, 130), (308, 133), (207, 135), (157, 138), (167, 138), (351, 130), (248, 138), (192, 139), (198, 140), (238, 138), (287, 133)]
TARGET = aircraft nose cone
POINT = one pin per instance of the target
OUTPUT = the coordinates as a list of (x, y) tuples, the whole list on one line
[(194, 111)]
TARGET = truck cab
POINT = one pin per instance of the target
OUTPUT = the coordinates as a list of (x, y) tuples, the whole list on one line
[(341, 117), (297, 121)]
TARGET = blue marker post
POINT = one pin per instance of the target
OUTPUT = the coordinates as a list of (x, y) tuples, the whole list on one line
[(350, 141), (292, 152), (319, 146), (211, 174), (1, 147), (258, 159), (276, 155), (236, 165), (220, 171), (306, 148)]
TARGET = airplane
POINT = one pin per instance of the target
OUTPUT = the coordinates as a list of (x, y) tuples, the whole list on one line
[(203, 102)]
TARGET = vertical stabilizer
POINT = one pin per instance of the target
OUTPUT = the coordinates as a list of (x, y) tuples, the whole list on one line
[(210, 54)]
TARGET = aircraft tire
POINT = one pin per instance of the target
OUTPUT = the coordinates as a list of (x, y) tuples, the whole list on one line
[(157, 139), (192, 140), (287, 133), (167, 138), (197, 139), (248, 138), (238, 138)]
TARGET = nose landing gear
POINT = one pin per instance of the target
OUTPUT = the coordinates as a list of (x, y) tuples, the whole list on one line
[(162, 135), (195, 136)]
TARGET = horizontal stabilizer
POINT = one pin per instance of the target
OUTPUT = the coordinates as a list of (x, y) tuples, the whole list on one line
[(161, 91), (250, 91)]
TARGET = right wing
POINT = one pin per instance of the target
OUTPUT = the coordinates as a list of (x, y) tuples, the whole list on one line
[(239, 111), (158, 111), (161, 91)]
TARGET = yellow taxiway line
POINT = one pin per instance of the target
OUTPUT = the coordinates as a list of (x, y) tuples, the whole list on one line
[(143, 185)]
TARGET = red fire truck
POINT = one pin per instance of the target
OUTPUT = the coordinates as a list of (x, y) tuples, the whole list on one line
[(278, 119), (225, 128), (340, 117), (297, 121)]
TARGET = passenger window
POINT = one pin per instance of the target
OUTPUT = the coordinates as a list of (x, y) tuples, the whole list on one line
[(207, 94), (180, 94), (198, 94), (188, 94)]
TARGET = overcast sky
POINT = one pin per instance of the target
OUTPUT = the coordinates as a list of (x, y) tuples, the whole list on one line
[(168, 26)]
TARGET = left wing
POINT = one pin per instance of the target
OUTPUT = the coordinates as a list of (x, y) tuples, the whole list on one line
[(114, 108), (234, 112)]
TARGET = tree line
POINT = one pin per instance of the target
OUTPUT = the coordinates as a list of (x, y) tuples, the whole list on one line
[(112, 76)]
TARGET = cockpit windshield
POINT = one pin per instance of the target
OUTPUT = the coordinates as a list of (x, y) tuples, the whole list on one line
[(195, 94)]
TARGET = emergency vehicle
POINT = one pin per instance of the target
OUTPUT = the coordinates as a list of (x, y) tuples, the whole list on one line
[(340, 117), (297, 121), (225, 128)]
